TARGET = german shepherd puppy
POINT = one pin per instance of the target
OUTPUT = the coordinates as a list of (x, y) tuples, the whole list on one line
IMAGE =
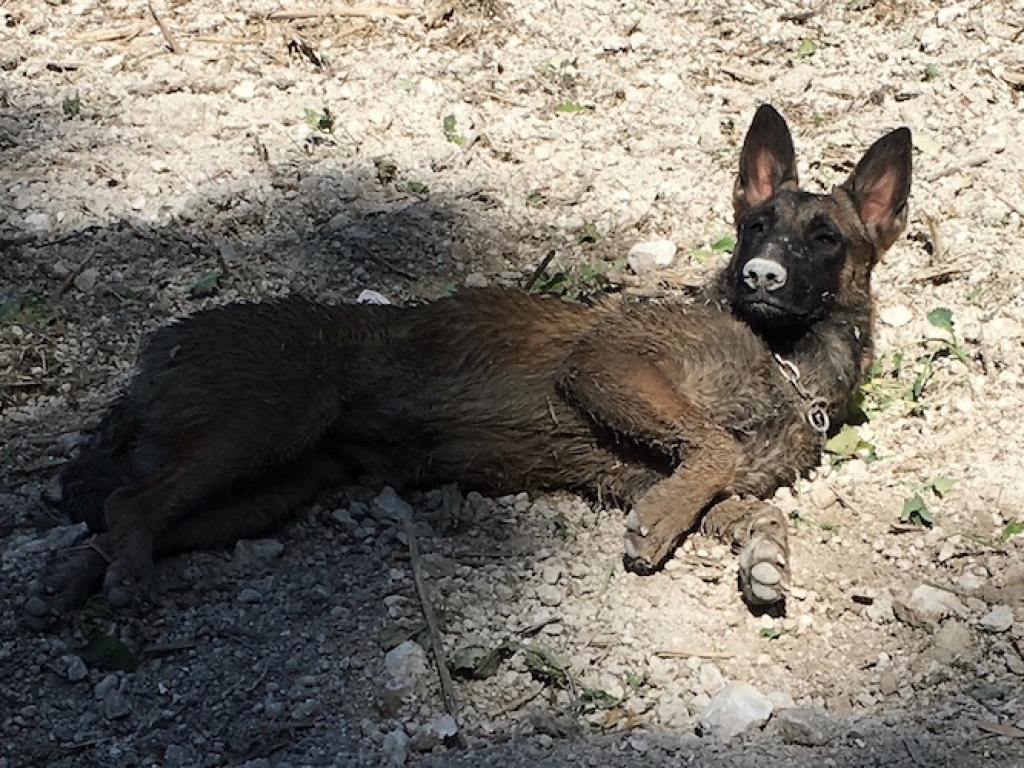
[(682, 414)]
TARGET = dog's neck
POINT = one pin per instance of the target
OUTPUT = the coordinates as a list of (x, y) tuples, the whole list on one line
[(830, 354)]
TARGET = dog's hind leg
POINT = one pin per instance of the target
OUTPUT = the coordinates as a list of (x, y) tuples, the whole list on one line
[(757, 531), (261, 509)]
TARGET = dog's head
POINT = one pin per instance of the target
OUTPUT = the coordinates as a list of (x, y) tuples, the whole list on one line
[(798, 255)]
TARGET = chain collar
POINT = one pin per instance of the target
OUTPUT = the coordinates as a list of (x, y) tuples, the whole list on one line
[(817, 407)]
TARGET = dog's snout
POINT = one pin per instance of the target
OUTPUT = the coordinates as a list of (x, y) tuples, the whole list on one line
[(764, 274)]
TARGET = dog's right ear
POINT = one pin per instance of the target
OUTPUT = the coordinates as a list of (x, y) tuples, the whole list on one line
[(767, 162)]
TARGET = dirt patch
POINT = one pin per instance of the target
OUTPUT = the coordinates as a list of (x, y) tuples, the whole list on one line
[(460, 145)]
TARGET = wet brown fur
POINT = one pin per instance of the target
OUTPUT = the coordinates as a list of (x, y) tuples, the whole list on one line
[(240, 414)]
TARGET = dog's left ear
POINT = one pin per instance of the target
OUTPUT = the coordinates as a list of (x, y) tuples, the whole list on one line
[(880, 186)]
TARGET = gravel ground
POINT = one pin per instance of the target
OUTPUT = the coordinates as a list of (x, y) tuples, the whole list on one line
[(458, 145)]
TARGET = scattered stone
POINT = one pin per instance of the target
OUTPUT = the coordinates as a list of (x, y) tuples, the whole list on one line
[(999, 619), (710, 679), (733, 710), (949, 14), (116, 705), (395, 749), (839, 704), (250, 596), (551, 574), (76, 669), (404, 666), (476, 280), (953, 638), (822, 496), (806, 726), (929, 605), (37, 221), (549, 595), (392, 505), (896, 316), (251, 551), (104, 686), (880, 611), (85, 281), (888, 684), (651, 255), (366, 296), (245, 90)]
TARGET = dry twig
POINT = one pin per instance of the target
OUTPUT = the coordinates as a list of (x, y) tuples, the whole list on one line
[(665, 653), (171, 42), (342, 10), (970, 162), (447, 687), (538, 273)]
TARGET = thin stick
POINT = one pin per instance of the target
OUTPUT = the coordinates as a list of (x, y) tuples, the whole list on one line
[(447, 688), (668, 653), (743, 75), (938, 246), (171, 42), (844, 500), (70, 279), (970, 162), (108, 35), (1011, 205), (358, 11), (539, 271), (519, 703)]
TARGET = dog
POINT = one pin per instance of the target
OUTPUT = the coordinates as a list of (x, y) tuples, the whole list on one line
[(683, 414)]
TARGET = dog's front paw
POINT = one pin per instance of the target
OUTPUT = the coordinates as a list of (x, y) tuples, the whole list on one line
[(648, 542)]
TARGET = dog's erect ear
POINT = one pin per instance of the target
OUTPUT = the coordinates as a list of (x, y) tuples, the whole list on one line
[(767, 162), (880, 186)]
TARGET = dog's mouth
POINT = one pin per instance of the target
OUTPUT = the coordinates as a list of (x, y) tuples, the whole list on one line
[(767, 308)]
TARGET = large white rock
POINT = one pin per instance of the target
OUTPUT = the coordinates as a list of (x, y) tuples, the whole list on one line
[(734, 709)]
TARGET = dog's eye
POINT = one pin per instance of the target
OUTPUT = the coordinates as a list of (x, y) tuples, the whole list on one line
[(757, 227), (826, 239)]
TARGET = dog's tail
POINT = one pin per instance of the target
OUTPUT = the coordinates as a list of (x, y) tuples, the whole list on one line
[(103, 465)]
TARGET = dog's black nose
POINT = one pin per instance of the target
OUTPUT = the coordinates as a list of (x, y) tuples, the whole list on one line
[(764, 274)]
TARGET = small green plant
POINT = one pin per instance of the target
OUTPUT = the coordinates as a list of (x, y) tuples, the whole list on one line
[(547, 667), (72, 105), (941, 318), (320, 121), (931, 71), (579, 284), (418, 188), (206, 285), (1012, 528), (847, 444), (20, 309), (536, 199), (635, 680), (807, 49), (450, 132), (915, 508), (589, 233), (772, 633), (724, 244), (570, 108), (829, 527)]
